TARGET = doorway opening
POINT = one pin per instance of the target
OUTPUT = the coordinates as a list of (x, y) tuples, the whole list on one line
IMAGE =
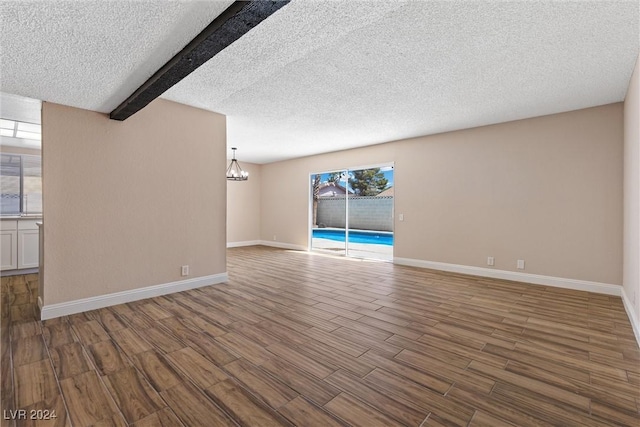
[(352, 212)]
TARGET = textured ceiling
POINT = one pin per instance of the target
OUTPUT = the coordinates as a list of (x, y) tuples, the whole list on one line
[(321, 76), (93, 54)]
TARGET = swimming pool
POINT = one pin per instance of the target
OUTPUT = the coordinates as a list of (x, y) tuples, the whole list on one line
[(371, 237)]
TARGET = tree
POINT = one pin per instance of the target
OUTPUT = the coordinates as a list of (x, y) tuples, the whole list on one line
[(334, 177), (368, 182), (316, 194)]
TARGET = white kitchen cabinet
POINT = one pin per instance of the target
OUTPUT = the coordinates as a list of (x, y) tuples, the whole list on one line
[(28, 243), (19, 244), (8, 249)]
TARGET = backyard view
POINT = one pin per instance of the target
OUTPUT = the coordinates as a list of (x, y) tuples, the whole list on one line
[(353, 213)]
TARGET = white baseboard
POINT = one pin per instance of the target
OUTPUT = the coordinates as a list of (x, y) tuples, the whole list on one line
[(283, 245), (635, 324), (536, 279), (245, 243), (52, 311)]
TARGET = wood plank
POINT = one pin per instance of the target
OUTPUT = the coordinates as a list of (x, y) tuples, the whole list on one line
[(334, 359), (389, 327), (338, 311), (154, 311), (243, 407), (163, 418), (542, 407), (282, 333), (302, 361), (90, 332), (336, 342), (244, 347), (24, 330), (433, 382), (302, 412), (359, 388), (274, 392), (415, 347), (107, 357), (56, 334), (130, 341), (86, 399), (28, 350), (610, 395), (193, 408), (544, 363), (419, 397), (362, 329), (199, 369), (481, 419), (355, 412), (133, 394), (53, 411), (536, 386), (163, 340), (157, 370), (254, 334), (109, 320), (298, 380), (34, 382), (193, 336), (496, 408), (6, 378), (365, 341), (611, 414), (69, 360)]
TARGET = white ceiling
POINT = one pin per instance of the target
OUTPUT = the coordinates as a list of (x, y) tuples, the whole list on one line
[(321, 76)]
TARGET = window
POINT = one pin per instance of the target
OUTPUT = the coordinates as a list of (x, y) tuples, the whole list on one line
[(21, 183), (23, 130)]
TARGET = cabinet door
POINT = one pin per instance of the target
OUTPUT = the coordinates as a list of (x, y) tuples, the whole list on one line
[(28, 243), (8, 249)]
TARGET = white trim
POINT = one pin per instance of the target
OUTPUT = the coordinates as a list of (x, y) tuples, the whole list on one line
[(40, 302), (283, 245), (635, 324), (536, 279), (245, 243), (52, 311)]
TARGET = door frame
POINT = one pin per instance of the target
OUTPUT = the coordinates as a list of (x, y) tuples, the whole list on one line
[(390, 164)]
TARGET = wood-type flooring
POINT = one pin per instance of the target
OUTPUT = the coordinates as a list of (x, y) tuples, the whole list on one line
[(303, 339)]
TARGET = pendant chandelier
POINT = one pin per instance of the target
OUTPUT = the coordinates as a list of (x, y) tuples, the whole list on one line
[(234, 171)]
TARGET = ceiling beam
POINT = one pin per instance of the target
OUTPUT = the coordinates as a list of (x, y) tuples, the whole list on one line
[(237, 20)]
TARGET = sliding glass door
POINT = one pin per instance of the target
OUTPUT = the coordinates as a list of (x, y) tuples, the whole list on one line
[(329, 212), (352, 212)]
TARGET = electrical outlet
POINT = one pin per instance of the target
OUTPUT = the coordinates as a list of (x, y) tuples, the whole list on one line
[(185, 270), (490, 260), (274, 238), (401, 217), (520, 264)]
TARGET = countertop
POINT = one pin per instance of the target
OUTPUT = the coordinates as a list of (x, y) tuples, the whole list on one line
[(14, 217)]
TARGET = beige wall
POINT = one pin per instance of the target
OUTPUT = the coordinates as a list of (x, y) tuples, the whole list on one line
[(127, 203), (547, 190), (243, 206), (632, 193)]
